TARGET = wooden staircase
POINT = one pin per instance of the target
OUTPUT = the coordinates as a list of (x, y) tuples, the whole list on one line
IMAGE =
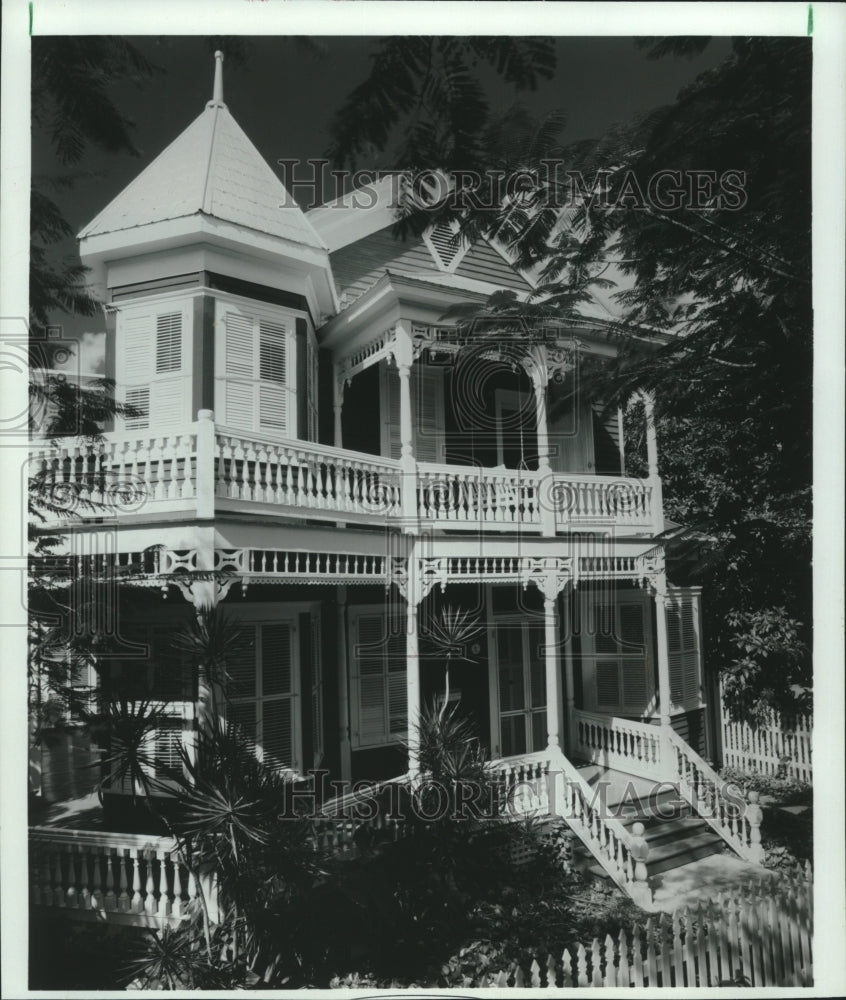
[(675, 836)]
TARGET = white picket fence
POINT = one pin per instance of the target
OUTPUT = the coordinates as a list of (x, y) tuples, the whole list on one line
[(775, 746), (757, 935)]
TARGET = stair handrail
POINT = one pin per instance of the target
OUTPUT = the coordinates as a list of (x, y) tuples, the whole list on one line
[(735, 818), (620, 852)]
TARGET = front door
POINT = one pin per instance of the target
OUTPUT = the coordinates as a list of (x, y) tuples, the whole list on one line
[(518, 693)]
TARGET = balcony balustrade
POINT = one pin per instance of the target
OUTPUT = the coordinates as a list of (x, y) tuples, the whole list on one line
[(207, 468)]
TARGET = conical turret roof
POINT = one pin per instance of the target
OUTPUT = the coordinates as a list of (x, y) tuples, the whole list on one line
[(213, 169)]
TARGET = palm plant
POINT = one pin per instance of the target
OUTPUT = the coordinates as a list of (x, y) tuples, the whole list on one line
[(210, 640), (450, 633), (130, 755)]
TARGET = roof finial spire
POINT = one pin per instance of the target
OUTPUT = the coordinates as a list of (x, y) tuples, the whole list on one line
[(217, 95)]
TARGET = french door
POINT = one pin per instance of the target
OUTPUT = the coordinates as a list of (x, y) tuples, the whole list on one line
[(519, 690)]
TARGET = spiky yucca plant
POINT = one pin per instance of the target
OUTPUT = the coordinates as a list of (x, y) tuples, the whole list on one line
[(450, 633)]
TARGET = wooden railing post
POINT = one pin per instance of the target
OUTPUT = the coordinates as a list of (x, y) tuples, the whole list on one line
[(640, 891), (205, 473), (754, 816)]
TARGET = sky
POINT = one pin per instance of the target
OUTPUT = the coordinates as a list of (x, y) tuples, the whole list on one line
[(286, 94)]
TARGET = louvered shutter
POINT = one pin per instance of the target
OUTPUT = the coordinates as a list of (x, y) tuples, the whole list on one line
[(316, 649), (634, 663), (312, 388), (369, 670), (239, 365), (137, 368), (390, 405), (428, 398), (273, 372), (620, 655), (379, 681), (277, 695), (262, 691), (168, 342), (684, 647)]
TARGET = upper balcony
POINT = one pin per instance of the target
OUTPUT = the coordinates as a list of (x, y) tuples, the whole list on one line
[(208, 469)]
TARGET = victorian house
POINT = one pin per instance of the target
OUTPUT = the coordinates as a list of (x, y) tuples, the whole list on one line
[(316, 449)]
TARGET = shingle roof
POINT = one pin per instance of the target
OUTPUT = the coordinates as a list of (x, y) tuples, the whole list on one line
[(214, 169)]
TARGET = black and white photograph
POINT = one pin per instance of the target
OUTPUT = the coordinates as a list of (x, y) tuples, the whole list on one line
[(426, 445)]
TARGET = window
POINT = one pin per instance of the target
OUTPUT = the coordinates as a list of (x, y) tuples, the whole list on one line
[(159, 674), (378, 676), (616, 641), (264, 681), (684, 648), (311, 388), (520, 687), (427, 411), (151, 368), (256, 373)]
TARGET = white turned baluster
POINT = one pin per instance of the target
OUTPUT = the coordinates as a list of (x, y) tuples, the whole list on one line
[(71, 894), (173, 477), (91, 879), (137, 905), (165, 904), (177, 907), (85, 878), (109, 899), (124, 862), (150, 885)]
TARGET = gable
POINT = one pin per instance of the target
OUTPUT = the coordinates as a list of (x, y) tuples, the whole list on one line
[(358, 266)]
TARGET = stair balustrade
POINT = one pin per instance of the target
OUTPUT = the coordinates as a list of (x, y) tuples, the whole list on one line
[(718, 802)]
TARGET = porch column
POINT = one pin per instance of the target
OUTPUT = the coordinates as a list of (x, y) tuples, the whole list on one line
[(652, 461), (343, 684), (662, 648), (546, 493), (204, 595), (412, 657), (404, 355), (553, 674), (569, 686), (338, 406)]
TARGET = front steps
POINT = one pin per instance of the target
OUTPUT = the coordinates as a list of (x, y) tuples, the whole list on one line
[(675, 836)]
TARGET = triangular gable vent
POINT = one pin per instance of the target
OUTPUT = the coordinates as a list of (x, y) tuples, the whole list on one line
[(445, 248)]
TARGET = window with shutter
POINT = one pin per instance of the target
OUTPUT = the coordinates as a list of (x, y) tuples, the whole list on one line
[(255, 373), (169, 342), (161, 675), (617, 646), (684, 648), (139, 401), (427, 412), (262, 691), (311, 388), (151, 369), (520, 695), (378, 674)]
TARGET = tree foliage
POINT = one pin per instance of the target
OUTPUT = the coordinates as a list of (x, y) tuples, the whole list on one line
[(718, 275)]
